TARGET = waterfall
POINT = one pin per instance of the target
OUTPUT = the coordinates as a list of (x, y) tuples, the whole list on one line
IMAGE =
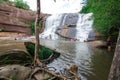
[(84, 27), (52, 22), (69, 25)]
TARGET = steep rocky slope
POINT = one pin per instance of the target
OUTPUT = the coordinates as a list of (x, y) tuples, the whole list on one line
[(15, 19)]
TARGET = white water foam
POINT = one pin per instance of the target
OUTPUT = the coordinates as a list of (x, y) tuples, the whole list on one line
[(83, 24)]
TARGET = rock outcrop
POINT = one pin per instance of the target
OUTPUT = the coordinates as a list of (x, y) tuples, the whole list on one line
[(15, 72), (16, 20), (72, 26)]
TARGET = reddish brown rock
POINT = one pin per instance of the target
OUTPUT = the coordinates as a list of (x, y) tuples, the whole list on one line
[(16, 20)]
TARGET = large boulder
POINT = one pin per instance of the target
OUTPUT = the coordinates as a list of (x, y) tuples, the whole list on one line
[(15, 72)]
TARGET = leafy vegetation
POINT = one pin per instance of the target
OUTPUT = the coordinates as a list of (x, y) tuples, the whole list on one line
[(15, 57), (44, 52), (32, 25), (21, 4), (18, 3), (106, 15), (1, 1)]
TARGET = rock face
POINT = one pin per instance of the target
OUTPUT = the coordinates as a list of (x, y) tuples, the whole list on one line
[(15, 19), (73, 26), (15, 72)]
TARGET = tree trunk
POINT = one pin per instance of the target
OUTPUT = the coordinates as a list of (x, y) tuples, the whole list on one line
[(37, 24), (115, 67)]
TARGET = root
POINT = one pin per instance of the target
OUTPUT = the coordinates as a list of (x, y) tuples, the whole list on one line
[(45, 69)]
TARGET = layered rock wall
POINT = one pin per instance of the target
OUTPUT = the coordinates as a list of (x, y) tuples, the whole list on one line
[(15, 19)]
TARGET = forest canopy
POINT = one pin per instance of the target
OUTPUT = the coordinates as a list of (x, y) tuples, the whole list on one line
[(106, 15)]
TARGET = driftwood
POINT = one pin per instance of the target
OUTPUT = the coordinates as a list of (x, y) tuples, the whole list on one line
[(35, 71), (32, 72), (71, 75), (42, 67)]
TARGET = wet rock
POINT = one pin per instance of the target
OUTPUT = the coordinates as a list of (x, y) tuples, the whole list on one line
[(97, 43), (15, 72), (68, 25), (4, 78), (15, 57)]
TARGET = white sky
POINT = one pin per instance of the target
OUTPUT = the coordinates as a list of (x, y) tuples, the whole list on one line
[(60, 6)]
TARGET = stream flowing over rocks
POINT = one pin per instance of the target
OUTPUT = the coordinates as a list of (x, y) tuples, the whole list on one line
[(58, 28), (69, 25)]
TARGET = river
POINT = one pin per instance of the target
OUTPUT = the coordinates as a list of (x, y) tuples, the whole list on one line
[(93, 63)]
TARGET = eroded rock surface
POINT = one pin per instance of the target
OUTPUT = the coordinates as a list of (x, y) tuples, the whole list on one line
[(16, 20), (15, 72)]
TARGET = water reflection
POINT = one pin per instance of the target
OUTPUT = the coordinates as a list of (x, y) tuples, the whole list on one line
[(94, 64), (101, 62)]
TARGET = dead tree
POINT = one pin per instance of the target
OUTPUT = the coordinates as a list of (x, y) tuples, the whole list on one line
[(115, 67), (37, 25)]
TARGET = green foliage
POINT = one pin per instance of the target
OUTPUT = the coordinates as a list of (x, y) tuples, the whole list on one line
[(3, 30), (44, 52), (18, 3), (4, 1), (21, 4), (85, 9), (1, 1), (32, 25), (15, 58), (106, 15)]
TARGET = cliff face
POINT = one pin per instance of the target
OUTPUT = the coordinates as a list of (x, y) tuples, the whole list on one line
[(15, 19), (69, 25)]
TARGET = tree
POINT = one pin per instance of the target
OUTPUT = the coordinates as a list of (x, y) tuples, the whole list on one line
[(21, 4), (107, 21), (37, 24), (106, 15), (115, 67)]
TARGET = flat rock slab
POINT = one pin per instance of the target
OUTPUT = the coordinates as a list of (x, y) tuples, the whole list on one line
[(15, 72), (9, 45)]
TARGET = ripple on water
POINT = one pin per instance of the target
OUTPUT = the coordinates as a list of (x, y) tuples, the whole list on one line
[(92, 63)]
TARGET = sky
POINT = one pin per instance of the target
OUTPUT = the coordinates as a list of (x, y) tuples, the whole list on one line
[(60, 6)]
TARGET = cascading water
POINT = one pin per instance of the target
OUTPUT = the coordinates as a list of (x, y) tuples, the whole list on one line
[(52, 22), (69, 25), (84, 27)]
